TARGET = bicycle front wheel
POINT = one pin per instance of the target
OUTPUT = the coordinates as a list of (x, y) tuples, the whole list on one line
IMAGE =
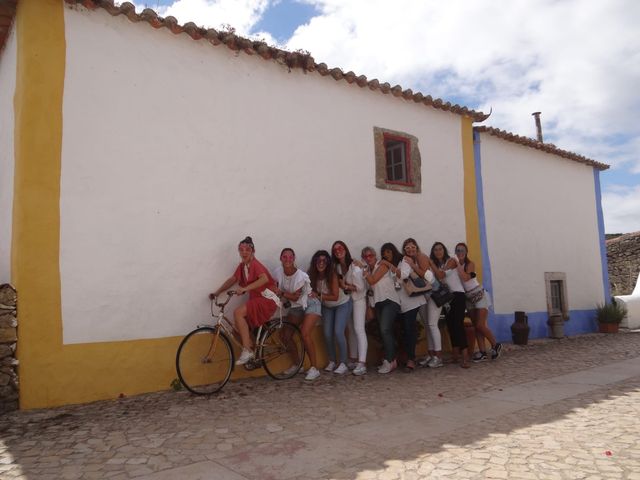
[(204, 360), (282, 350)]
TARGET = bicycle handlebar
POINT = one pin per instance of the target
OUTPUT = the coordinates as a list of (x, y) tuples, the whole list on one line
[(230, 293)]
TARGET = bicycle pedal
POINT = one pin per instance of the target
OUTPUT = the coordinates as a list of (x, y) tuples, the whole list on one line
[(251, 365)]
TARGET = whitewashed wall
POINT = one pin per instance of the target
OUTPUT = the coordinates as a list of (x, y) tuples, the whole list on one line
[(7, 90), (174, 150), (540, 213)]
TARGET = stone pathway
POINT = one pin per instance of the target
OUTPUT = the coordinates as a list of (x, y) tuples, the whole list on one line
[(553, 409)]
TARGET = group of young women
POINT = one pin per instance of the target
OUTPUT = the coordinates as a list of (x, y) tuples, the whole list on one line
[(340, 289)]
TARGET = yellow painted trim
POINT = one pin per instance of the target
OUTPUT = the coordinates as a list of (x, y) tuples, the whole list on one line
[(472, 222), (53, 374), (35, 235)]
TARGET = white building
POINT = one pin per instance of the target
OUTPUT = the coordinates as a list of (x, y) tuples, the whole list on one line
[(135, 153)]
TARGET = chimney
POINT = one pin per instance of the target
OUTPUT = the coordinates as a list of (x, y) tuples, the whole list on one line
[(538, 125)]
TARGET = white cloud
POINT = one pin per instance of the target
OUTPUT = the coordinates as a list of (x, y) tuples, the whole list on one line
[(242, 15), (621, 209), (576, 61)]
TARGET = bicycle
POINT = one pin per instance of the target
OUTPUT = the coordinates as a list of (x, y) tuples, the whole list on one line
[(205, 357)]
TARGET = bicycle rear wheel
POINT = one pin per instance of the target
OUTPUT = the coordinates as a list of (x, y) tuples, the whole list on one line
[(204, 360), (282, 350)]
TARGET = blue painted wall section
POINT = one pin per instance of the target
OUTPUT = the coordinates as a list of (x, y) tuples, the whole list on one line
[(603, 245), (580, 321)]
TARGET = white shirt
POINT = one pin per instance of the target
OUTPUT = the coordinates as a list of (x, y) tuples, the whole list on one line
[(453, 280), (292, 283), (354, 277), (342, 297), (385, 288), (407, 302)]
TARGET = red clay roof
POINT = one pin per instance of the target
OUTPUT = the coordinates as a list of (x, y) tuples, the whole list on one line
[(545, 147), (297, 59)]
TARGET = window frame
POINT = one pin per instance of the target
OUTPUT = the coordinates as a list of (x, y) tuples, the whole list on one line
[(559, 279), (412, 161), (388, 137)]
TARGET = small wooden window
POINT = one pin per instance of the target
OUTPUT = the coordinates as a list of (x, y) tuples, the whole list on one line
[(398, 161), (556, 296), (396, 151), (556, 287)]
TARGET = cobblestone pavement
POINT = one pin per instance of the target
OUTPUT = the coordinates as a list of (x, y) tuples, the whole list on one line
[(553, 409)]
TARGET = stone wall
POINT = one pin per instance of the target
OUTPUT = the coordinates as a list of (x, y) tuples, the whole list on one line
[(8, 339), (623, 256)]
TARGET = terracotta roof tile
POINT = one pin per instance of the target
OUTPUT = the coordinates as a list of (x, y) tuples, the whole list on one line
[(236, 43), (545, 147), (292, 60)]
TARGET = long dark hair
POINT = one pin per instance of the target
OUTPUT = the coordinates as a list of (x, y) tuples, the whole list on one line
[(397, 256), (314, 274), (466, 255), (347, 254), (432, 255)]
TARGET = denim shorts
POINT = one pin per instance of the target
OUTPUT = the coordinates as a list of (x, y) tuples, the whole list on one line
[(313, 306), (485, 302)]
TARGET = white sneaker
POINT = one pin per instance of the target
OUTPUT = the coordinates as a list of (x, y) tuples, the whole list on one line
[(435, 362), (312, 374), (386, 367), (342, 369), (331, 367), (292, 370), (361, 369), (245, 356), (351, 365), (425, 361)]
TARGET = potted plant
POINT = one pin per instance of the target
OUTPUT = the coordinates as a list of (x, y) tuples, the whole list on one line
[(609, 316)]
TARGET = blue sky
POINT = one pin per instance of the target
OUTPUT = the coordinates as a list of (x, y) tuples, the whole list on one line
[(577, 61)]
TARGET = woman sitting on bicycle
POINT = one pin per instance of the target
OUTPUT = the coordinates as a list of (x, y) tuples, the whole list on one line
[(253, 277)]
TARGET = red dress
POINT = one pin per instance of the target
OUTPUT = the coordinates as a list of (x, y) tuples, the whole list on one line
[(259, 308)]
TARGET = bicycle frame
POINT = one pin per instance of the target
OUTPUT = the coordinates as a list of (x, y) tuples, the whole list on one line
[(223, 323)]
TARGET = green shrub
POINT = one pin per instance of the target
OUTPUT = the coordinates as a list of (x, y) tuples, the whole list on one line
[(613, 312)]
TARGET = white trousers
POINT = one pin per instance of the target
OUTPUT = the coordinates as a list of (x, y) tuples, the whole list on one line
[(430, 314), (357, 335)]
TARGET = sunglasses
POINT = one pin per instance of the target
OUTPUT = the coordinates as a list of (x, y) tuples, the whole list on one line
[(338, 248), (460, 250), (321, 260), (369, 255)]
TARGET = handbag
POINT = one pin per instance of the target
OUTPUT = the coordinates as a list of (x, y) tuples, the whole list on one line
[(441, 295), (475, 295), (415, 285)]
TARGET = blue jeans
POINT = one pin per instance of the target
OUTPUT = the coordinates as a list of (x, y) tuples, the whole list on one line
[(387, 312), (334, 323), (410, 332)]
